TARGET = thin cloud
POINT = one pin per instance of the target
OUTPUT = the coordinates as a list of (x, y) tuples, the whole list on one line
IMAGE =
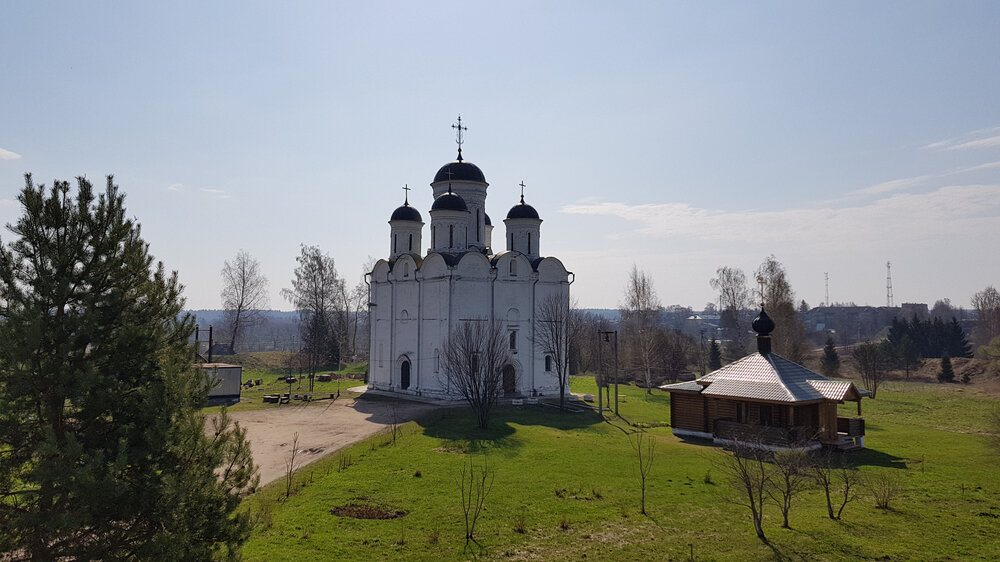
[(175, 187), (891, 185), (986, 166), (216, 193), (983, 138), (958, 211), (8, 155)]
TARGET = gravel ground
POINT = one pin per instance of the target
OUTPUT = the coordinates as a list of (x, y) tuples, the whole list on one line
[(323, 428)]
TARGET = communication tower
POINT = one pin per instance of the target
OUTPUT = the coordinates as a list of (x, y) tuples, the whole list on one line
[(888, 284)]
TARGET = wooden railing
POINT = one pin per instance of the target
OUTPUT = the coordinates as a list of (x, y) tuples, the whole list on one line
[(851, 426), (763, 434)]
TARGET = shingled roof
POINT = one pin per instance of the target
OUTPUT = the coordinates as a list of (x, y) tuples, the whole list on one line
[(771, 378)]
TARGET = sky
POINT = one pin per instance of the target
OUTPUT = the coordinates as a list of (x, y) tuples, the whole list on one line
[(678, 137)]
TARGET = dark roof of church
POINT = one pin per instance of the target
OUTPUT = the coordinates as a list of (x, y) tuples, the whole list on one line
[(449, 202), (406, 213), (522, 211), (460, 171), (488, 222)]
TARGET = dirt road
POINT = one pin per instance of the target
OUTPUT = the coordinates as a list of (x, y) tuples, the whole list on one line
[(323, 427)]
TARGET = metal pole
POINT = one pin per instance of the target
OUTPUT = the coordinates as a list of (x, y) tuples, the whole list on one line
[(616, 372), (600, 365)]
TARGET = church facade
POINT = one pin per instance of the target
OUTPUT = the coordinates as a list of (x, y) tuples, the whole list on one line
[(418, 298)]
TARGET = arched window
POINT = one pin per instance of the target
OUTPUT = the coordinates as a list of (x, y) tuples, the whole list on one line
[(513, 339), (513, 267), (406, 269), (394, 243), (477, 225), (510, 242), (410, 244), (434, 237), (529, 242), (451, 236), (548, 362)]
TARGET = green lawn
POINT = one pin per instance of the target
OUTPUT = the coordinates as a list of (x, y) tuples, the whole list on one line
[(569, 482), (253, 398)]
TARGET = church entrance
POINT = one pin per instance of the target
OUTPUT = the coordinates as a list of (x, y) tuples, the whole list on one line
[(509, 380), (404, 375)]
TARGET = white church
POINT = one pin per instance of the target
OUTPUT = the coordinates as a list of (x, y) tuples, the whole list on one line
[(417, 298)]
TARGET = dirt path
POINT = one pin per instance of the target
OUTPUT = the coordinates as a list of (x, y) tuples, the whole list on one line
[(322, 427)]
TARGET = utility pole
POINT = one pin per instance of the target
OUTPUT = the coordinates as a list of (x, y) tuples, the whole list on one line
[(827, 276), (606, 335), (888, 284)]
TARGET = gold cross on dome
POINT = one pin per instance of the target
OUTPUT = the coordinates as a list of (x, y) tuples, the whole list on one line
[(459, 129), (760, 280)]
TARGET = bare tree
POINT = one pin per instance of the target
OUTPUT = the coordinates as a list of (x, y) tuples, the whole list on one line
[(734, 298), (640, 314), (244, 295), (884, 488), (749, 478), (987, 305), (644, 447), (873, 361), (314, 294), (290, 465), (473, 360), (789, 336), (475, 486), (828, 472), (676, 350), (552, 333), (790, 478)]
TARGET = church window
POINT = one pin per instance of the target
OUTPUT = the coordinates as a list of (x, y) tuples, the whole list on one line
[(433, 237), (529, 242), (394, 243), (477, 225), (510, 243), (410, 244), (548, 362), (406, 269), (437, 360), (513, 339), (513, 267), (451, 236)]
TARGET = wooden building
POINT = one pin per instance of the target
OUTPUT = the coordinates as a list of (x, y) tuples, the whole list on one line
[(767, 399)]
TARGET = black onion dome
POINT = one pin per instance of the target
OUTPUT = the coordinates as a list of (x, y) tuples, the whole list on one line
[(406, 213), (763, 324), (449, 202), (460, 171), (522, 211), (488, 221)]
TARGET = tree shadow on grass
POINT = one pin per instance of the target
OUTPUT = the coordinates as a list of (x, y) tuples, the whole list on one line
[(457, 426), (871, 457)]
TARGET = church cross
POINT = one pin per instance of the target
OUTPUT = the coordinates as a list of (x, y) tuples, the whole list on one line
[(406, 188), (522, 190), (760, 280), (459, 129)]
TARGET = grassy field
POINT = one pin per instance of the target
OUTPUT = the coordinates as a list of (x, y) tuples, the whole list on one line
[(566, 487), (267, 368)]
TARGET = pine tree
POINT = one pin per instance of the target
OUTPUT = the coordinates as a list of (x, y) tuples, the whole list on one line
[(105, 453), (830, 364), (946, 374), (714, 355)]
